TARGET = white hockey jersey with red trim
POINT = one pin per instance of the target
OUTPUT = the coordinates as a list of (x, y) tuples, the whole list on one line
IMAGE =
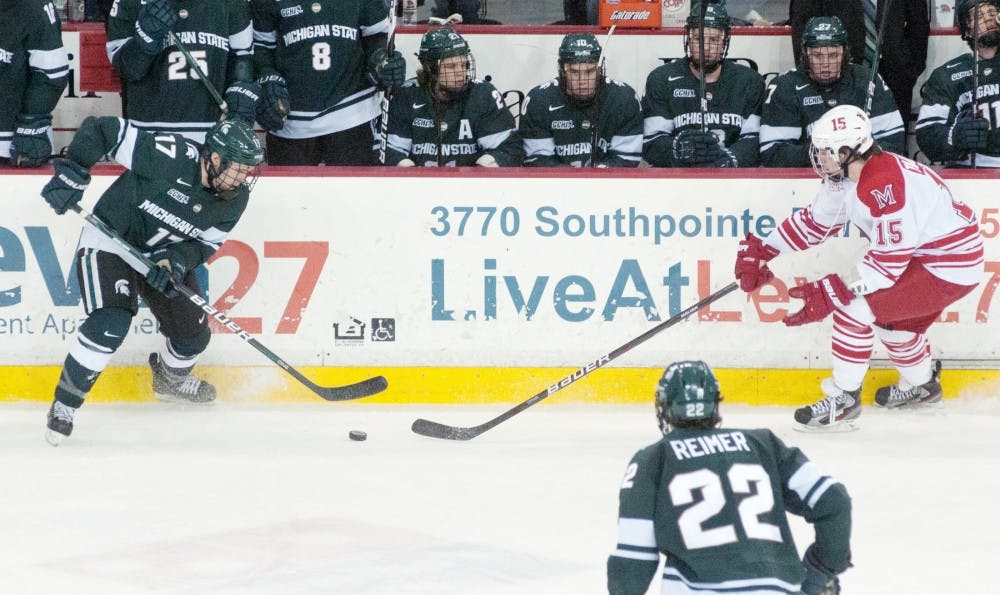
[(906, 211)]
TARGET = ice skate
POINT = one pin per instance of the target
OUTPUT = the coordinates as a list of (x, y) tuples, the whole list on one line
[(902, 395), (60, 424), (840, 408), (175, 387)]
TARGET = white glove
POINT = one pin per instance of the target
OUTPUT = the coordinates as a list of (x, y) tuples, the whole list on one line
[(405, 163), (487, 160)]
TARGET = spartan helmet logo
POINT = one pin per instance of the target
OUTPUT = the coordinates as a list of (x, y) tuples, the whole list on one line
[(121, 287)]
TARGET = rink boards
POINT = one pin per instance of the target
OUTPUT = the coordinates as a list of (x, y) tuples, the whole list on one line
[(461, 286)]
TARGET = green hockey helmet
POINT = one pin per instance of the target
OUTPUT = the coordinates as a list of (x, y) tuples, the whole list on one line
[(235, 142), (687, 395), (824, 32), (716, 49), (988, 36), (441, 43), (579, 48)]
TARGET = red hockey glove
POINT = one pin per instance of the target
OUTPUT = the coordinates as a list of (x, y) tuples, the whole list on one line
[(751, 263), (821, 298)]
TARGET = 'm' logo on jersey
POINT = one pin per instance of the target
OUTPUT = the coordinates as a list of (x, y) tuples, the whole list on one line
[(883, 198), (6, 56)]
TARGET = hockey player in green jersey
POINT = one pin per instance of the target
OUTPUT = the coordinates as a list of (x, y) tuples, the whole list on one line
[(671, 109), (561, 118), (947, 129), (445, 117), (177, 203), (330, 57), (33, 74), (714, 503), (824, 79), (162, 92)]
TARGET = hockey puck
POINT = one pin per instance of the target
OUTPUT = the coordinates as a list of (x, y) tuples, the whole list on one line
[(357, 435)]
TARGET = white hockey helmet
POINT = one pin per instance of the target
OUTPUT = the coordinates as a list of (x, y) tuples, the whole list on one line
[(845, 126)]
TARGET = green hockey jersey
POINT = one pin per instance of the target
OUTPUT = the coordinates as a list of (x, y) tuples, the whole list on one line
[(946, 94), (163, 93), (714, 503), (793, 102), (321, 50), (557, 132), (456, 133), (33, 63), (672, 103), (160, 201)]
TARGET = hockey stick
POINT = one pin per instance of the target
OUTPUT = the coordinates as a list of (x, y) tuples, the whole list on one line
[(437, 430), (193, 64), (358, 390), (873, 75), (975, 72), (383, 123), (701, 67), (595, 133)]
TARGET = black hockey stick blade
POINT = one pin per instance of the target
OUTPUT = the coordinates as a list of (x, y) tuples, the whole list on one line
[(358, 390), (433, 429)]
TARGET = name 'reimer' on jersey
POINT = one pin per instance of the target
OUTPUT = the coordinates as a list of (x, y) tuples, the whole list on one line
[(700, 446), (324, 30), (170, 219)]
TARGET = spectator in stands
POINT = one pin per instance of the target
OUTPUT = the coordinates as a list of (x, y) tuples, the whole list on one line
[(34, 68), (904, 49), (824, 79), (333, 73), (468, 9), (445, 117), (580, 12), (674, 135), (949, 128), (162, 91), (581, 118), (850, 13)]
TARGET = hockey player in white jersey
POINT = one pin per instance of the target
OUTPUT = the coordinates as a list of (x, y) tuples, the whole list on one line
[(926, 252)]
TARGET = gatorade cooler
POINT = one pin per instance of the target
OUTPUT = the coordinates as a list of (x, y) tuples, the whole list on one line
[(631, 15)]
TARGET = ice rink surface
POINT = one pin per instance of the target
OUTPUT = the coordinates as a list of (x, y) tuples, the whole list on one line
[(254, 499)]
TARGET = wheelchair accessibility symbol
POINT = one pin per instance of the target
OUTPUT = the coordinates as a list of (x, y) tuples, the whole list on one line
[(383, 329)]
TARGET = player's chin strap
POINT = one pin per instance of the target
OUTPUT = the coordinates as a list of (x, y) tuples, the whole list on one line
[(214, 173)]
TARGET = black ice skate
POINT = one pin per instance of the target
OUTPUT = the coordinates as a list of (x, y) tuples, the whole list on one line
[(894, 396), (838, 406), (170, 384), (60, 424)]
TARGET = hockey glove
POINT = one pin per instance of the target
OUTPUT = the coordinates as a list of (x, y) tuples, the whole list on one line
[(821, 298), (243, 98), (487, 160), (273, 107), (170, 270), (387, 70), (30, 146), (725, 159), (818, 580), (156, 19), (995, 139), (751, 263), (969, 134), (66, 187), (694, 148)]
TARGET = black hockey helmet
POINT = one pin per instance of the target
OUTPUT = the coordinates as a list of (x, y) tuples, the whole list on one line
[(823, 32), (687, 395), (716, 17), (436, 45), (966, 26), (235, 142), (580, 48)]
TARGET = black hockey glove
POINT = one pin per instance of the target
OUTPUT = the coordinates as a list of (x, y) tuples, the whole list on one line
[(30, 146), (243, 99), (725, 159), (968, 133), (818, 580), (995, 139), (170, 270), (66, 187), (273, 107), (694, 148), (156, 19), (387, 70)]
